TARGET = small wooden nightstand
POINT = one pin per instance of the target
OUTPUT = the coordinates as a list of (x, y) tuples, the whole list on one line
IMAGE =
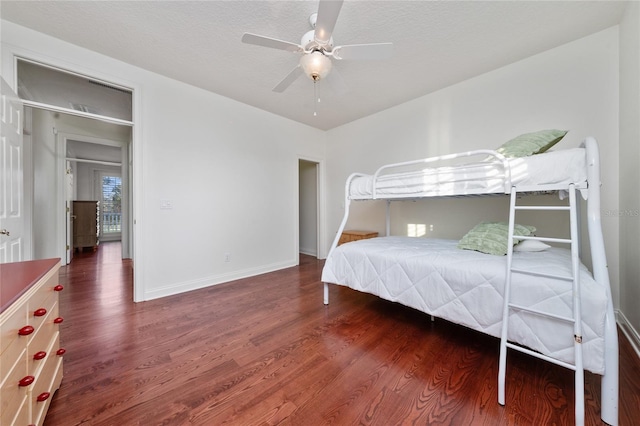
[(348, 236)]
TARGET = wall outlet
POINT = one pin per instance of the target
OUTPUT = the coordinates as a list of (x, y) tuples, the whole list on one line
[(227, 257)]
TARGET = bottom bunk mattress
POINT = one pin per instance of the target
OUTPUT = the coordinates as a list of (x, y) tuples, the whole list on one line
[(466, 287)]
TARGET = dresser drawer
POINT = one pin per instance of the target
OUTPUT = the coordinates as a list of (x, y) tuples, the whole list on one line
[(44, 295), (37, 367), (10, 390), (17, 350), (41, 339), (42, 313), (13, 320), (44, 387), (17, 413)]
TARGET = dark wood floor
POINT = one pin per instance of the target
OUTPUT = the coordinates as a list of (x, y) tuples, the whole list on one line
[(265, 350)]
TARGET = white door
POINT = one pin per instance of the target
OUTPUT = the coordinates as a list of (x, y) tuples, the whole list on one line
[(11, 177)]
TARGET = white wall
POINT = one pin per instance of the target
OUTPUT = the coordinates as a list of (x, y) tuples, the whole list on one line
[(629, 216), (573, 87), (229, 170)]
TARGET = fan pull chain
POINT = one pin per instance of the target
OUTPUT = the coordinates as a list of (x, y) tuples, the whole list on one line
[(315, 98)]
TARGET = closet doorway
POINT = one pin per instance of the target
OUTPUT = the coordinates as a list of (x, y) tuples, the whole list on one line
[(308, 207)]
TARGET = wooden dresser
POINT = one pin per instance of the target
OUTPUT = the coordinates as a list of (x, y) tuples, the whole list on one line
[(348, 236), (86, 224), (30, 353)]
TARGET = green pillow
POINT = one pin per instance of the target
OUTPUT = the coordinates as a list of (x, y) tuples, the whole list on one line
[(531, 143), (492, 237)]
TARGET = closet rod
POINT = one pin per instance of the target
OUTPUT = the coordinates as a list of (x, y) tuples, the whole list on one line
[(105, 163)]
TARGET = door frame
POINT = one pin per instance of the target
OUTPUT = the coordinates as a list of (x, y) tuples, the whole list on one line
[(135, 149), (125, 169), (320, 217)]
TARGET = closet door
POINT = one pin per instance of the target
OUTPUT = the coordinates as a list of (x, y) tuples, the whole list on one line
[(11, 177)]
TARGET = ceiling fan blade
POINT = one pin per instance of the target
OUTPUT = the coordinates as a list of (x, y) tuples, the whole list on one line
[(364, 51), (290, 78), (328, 11), (271, 42)]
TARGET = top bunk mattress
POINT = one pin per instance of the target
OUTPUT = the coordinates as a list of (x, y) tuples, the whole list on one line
[(560, 167)]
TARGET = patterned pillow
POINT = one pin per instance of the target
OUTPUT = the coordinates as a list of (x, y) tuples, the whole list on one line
[(492, 237), (531, 143)]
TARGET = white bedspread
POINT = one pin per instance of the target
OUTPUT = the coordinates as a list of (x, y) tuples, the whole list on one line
[(466, 287), (555, 167)]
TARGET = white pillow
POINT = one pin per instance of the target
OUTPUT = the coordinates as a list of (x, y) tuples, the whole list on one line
[(530, 245)]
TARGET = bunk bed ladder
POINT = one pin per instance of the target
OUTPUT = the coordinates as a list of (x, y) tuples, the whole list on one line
[(576, 320)]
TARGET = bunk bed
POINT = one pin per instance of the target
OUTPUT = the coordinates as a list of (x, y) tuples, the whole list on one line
[(537, 298)]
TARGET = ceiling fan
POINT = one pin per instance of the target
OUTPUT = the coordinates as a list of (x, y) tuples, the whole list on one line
[(317, 46)]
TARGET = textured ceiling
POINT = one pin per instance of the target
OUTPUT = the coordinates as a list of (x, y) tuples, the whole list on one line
[(436, 44)]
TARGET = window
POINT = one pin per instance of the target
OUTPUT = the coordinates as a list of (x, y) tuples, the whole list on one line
[(111, 206)]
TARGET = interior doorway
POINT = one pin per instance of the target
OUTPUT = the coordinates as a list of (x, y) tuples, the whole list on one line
[(56, 91), (75, 120), (308, 207), (101, 172)]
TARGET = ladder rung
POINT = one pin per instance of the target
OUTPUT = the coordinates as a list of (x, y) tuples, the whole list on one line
[(542, 274), (541, 313), (541, 356), (551, 208)]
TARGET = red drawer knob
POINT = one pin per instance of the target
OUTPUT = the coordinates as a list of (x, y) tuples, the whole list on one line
[(40, 312), (61, 352), (26, 380), (26, 330), (58, 320), (58, 288), (43, 396), (39, 355)]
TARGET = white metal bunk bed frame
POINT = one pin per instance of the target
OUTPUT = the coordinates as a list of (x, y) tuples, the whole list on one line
[(609, 383)]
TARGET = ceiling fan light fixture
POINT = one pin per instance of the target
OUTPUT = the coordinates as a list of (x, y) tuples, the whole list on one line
[(315, 65), (317, 49)]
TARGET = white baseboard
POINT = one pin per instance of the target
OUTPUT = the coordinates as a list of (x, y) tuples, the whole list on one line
[(628, 330), (182, 287), (308, 252)]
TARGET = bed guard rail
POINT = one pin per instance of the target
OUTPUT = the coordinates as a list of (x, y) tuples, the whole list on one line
[(491, 153)]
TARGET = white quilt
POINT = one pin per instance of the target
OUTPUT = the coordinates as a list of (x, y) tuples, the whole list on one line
[(466, 287)]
